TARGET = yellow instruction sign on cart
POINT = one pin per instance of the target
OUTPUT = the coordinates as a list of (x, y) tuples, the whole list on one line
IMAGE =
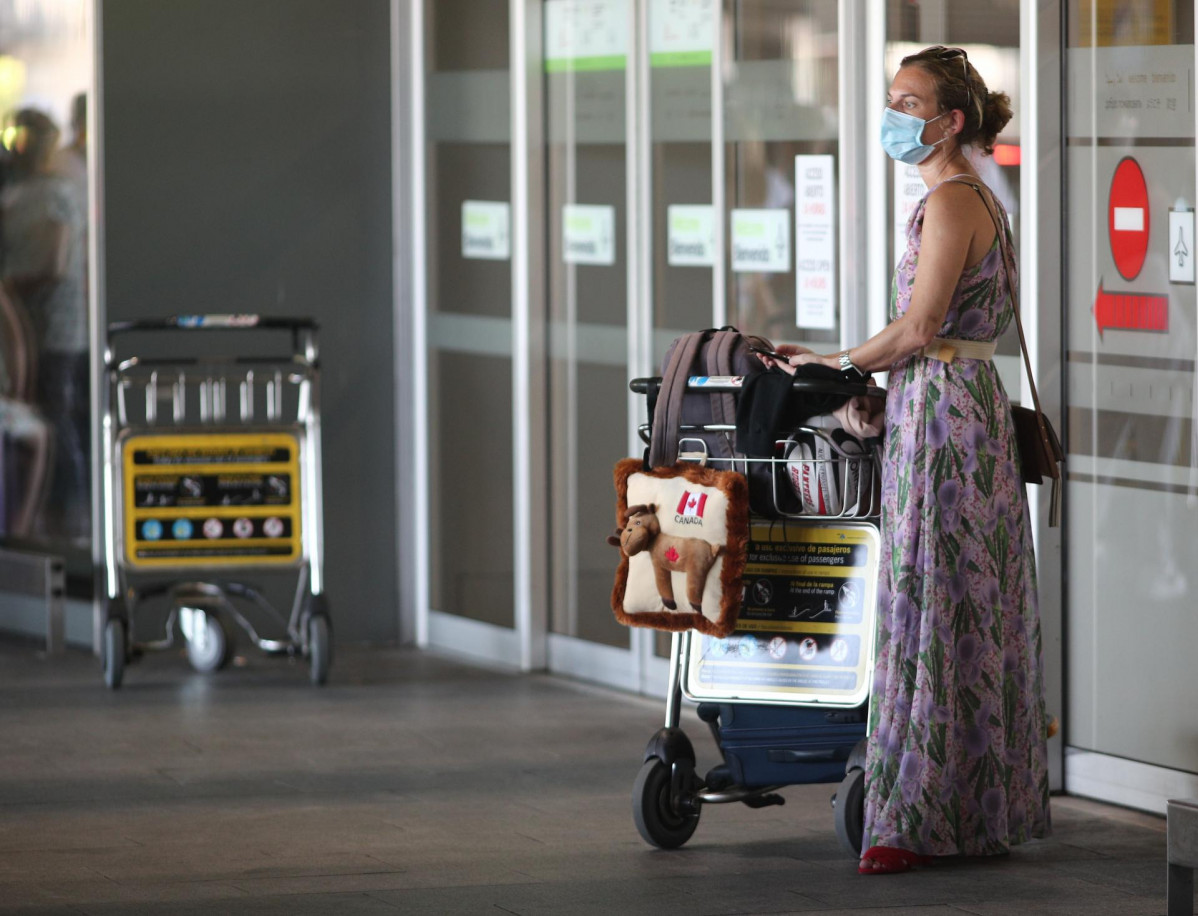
[(211, 499), (806, 625)]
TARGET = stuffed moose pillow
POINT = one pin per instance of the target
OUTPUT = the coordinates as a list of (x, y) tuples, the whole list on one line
[(683, 534)]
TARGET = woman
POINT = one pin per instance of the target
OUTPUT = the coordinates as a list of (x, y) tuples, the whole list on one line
[(42, 252), (957, 763)]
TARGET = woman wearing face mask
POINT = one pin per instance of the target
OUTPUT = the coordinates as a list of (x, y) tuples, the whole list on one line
[(957, 763)]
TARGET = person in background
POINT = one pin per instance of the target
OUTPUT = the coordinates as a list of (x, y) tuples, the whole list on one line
[(957, 756), (71, 160), (24, 435), (42, 231)]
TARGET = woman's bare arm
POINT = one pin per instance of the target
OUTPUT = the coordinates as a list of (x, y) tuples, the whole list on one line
[(948, 235)]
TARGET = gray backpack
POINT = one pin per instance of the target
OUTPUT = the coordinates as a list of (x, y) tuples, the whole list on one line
[(723, 351)]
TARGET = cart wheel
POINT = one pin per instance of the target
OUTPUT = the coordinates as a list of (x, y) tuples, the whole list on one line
[(849, 810), (114, 652), (656, 819), (320, 648), (211, 648)]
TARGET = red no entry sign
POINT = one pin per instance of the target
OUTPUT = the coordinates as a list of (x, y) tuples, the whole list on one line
[(1127, 218)]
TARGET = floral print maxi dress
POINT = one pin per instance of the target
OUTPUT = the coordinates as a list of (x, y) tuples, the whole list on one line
[(957, 761)]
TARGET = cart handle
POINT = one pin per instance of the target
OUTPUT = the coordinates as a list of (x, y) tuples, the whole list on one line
[(303, 330), (212, 323), (736, 383)]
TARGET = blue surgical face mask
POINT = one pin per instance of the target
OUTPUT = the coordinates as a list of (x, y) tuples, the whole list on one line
[(902, 136)]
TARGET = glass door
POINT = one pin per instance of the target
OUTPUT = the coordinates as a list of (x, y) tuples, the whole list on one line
[(781, 110), (655, 197), (467, 278), (683, 252), (646, 155), (48, 303), (590, 264), (1129, 370)]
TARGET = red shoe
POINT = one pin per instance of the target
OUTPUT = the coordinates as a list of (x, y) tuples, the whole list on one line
[(889, 860)]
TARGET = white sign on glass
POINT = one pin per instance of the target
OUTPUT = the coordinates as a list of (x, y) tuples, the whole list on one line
[(908, 189), (761, 241), (585, 35), (1138, 91), (681, 32), (588, 234), (690, 235), (485, 229), (815, 242)]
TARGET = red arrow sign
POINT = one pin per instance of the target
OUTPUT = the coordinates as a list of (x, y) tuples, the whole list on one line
[(1130, 311)]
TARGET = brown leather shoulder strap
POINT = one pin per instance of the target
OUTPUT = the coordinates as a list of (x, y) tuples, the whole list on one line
[(1004, 246)]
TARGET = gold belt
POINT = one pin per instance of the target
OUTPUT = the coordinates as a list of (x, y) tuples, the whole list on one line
[(946, 349)]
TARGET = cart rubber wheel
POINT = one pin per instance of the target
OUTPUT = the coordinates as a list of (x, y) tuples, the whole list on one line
[(114, 652), (849, 810), (320, 648), (215, 651), (656, 820)]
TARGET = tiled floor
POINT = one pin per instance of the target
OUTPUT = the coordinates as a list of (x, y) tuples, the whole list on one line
[(412, 784)]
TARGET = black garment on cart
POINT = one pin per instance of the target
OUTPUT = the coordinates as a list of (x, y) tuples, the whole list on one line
[(769, 408)]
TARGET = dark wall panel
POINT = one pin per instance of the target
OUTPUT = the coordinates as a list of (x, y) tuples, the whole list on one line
[(247, 169)]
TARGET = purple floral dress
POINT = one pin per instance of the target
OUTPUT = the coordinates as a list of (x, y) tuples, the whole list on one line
[(957, 762)]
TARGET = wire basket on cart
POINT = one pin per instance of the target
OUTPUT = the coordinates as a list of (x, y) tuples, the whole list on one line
[(212, 470), (786, 695)]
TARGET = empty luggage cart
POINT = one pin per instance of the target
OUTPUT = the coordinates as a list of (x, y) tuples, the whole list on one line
[(212, 472)]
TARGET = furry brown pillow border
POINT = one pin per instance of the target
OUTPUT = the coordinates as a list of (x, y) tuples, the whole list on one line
[(733, 552)]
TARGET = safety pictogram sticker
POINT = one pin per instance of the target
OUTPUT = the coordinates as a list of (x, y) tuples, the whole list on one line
[(1181, 242)]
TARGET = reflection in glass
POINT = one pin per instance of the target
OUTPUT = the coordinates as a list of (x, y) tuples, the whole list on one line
[(45, 453), (1129, 187), (683, 232), (781, 99)]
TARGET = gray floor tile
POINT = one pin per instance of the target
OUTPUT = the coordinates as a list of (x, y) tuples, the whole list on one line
[(413, 784), (289, 905)]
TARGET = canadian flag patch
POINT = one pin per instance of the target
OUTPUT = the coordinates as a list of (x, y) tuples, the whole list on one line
[(691, 505)]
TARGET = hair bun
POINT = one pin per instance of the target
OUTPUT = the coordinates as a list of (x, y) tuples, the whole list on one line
[(996, 114)]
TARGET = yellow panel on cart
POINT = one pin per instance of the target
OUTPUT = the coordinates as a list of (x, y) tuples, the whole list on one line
[(212, 499), (806, 627)]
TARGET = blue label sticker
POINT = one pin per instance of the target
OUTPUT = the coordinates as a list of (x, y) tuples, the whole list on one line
[(182, 529), (151, 530)]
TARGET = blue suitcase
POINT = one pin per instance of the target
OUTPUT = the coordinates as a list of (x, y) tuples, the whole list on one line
[(785, 745)]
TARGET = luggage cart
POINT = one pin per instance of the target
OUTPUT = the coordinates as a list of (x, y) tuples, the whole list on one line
[(786, 696), (194, 497)]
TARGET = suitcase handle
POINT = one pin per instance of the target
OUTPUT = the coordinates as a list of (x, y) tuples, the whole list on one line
[(790, 755)]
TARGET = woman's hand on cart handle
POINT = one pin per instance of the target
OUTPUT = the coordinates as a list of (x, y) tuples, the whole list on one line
[(801, 356), (793, 351)]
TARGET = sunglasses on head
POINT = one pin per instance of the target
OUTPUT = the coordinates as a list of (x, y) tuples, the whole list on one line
[(942, 53)]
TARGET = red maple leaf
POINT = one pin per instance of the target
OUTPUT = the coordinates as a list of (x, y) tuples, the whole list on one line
[(672, 555)]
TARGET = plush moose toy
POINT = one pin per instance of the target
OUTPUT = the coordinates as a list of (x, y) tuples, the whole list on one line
[(669, 553)]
